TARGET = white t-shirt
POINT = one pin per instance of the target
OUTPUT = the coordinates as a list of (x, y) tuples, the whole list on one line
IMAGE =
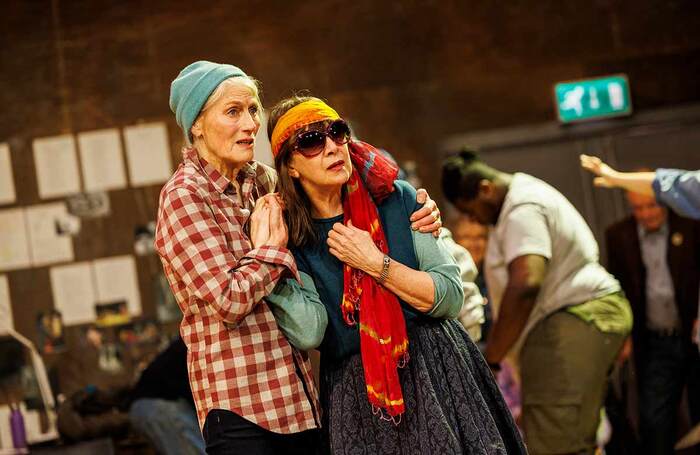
[(538, 219)]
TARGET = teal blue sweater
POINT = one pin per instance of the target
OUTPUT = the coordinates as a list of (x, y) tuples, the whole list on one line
[(310, 316)]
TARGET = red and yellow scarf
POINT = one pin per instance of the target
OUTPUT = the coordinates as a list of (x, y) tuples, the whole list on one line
[(383, 339)]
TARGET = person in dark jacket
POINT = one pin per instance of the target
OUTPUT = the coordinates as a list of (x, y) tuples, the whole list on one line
[(655, 254)]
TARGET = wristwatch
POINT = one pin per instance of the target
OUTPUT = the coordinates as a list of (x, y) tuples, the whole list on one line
[(385, 270)]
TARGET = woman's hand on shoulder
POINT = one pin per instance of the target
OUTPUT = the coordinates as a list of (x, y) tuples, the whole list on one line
[(427, 218), (355, 248)]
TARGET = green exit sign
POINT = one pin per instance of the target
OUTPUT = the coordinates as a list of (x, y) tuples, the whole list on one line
[(593, 98)]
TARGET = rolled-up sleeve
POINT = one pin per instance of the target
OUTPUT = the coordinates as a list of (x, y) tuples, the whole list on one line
[(434, 259), (679, 190), (194, 247)]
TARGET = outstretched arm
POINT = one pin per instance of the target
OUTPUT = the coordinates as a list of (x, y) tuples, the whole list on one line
[(607, 177), (676, 188)]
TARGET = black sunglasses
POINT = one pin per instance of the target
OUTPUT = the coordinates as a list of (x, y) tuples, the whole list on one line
[(311, 143)]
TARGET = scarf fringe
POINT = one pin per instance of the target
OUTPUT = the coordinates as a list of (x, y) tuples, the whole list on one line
[(384, 415), (403, 360)]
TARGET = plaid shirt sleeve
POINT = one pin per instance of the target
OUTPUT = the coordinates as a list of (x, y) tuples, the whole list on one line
[(231, 280)]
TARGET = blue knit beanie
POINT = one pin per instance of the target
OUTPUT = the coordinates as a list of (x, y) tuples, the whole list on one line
[(192, 87)]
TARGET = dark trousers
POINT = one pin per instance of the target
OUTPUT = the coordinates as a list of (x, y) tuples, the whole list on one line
[(624, 440), (670, 363), (226, 432)]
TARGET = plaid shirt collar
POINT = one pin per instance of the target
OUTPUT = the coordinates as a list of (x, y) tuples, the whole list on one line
[(220, 181)]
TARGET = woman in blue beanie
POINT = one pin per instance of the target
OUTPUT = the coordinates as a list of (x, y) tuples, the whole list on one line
[(222, 241)]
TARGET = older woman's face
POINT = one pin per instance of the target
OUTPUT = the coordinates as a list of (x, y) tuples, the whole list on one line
[(330, 168), (227, 128)]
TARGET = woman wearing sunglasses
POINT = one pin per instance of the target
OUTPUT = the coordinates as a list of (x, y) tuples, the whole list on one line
[(222, 241), (398, 374)]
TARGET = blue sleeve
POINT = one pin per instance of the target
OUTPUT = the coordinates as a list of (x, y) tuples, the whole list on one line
[(435, 259), (299, 312), (679, 190)]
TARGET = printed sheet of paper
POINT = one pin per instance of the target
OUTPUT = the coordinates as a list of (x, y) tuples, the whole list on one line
[(101, 160), (56, 166), (148, 153), (116, 279), (7, 183), (263, 150), (6, 321), (14, 240), (47, 245), (74, 292)]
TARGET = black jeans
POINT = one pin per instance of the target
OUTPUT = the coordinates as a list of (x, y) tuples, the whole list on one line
[(226, 432), (671, 364)]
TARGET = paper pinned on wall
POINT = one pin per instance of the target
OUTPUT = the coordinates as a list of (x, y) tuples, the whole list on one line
[(7, 183), (56, 166), (47, 244), (263, 149), (116, 279), (6, 320), (73, 292), (148, 153), (101, 160), (14, 240)]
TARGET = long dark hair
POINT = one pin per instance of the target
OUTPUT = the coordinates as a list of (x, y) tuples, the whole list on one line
[(298, 213)]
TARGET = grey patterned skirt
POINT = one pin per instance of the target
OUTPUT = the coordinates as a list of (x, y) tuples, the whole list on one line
[(453, 405)]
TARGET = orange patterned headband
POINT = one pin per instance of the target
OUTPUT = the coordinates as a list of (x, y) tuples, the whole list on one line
[(299, 116)]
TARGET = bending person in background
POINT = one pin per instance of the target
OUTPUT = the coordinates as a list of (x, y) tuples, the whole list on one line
[(391, 296), (555, 304), (222, 240), (678, 189)]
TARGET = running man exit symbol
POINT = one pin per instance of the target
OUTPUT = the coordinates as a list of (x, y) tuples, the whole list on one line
[(592, 98)]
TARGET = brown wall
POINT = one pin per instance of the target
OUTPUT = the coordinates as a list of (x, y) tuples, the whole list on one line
[(407, 73)]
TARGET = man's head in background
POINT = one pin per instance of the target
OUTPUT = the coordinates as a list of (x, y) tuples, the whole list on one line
[(475, 188), (646, 210)]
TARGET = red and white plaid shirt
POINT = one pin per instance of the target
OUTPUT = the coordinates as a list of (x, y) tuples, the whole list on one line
[(238, 359)]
